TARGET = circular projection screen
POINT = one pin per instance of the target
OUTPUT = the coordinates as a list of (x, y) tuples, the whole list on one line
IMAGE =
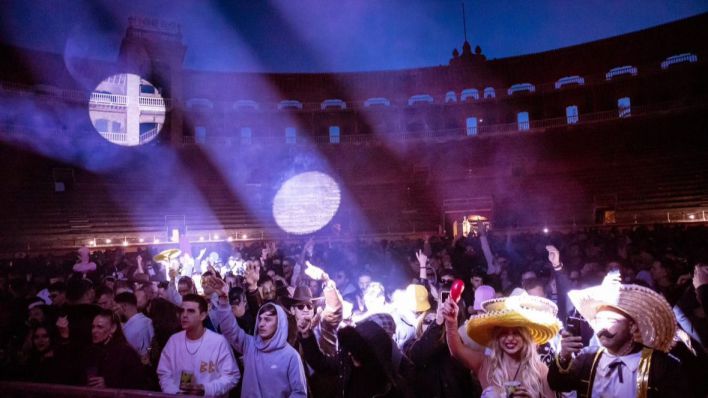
[(127, 110), (306, 203)]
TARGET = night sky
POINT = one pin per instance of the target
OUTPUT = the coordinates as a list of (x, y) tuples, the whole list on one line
[(342, 35)]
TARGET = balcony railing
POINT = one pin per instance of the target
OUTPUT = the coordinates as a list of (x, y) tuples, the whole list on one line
[(483, 130), (677, 59), (109, 99), (648, 70), (114, 137), (149, 135)]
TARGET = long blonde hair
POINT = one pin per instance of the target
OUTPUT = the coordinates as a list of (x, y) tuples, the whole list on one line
[(530, 372)]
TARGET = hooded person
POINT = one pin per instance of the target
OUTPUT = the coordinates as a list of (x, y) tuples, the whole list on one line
[(272, 368), (363, 366)]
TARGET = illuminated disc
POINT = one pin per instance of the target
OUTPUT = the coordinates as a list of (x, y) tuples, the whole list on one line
[(127, 110), (306, 203)]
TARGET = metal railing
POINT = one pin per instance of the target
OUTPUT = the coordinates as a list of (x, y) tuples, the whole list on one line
[(11, 389), (114, 137), (149, 135), (106, 98), (483, 130), (156, 102)]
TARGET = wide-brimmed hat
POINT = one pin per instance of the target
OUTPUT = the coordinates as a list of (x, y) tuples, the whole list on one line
[(535, 314), (417, 297), (167, 255), (302, 294), (647, 308)]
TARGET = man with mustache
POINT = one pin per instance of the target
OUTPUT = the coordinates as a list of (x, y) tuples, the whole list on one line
[(635, 327)]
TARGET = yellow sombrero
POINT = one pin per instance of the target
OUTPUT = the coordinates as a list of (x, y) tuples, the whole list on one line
[(167, 255), (535, 314), (648, 309)]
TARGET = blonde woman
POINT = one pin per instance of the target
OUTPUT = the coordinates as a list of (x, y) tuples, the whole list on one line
[(510, 329)]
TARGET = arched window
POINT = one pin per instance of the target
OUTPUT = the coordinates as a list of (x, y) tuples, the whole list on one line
[(621, 70), (471, 123), (246, 105), (569, 80), (521, 87), (289, 104), (522, 119), (469, 93), (489, 93), (678, 59), (420, 99), (333, 103), (380, 101), (450, 97), (199, 103)]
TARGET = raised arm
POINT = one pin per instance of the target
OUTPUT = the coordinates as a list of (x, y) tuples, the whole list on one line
[(562, 281), (492, 269), (172, 293), (470, 358), (330, 318), (225, 318)]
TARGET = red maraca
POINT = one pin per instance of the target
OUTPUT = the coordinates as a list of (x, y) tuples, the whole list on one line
[(456, 290)]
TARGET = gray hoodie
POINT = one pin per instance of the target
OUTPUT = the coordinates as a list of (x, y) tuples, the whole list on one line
[(271, 368)]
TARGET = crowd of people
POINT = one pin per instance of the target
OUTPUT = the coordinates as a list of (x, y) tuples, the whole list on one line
[(591, 313)]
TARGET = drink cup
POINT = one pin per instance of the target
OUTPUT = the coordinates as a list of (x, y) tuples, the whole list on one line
[(511, 387), (186, 377)]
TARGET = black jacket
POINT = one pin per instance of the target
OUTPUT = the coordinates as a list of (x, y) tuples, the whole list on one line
[(438, 375), (666, 378), (354, 382), (117, 362)]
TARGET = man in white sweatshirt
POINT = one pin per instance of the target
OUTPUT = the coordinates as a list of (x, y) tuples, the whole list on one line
[(196, 360)]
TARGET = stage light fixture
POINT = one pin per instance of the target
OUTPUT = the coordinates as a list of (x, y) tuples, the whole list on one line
[(306, 203), (127, 110)]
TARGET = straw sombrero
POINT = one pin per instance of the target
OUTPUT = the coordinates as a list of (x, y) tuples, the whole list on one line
[(166, 255), (650, 310), (535, 314)]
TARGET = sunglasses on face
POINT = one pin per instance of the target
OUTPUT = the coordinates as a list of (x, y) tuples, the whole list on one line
[(446, 280), (302, 307)]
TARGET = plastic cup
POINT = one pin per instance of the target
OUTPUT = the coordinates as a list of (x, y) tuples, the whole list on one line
[(186, 377), (511, 386)]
